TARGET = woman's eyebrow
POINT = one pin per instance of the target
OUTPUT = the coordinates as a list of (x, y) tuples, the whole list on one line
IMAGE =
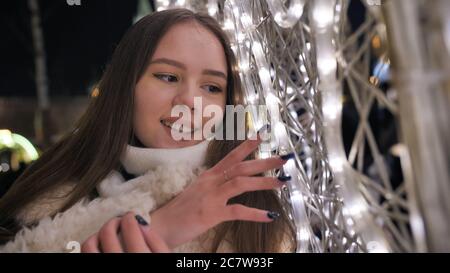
[(183, 66), (214, 73), (169, 62)]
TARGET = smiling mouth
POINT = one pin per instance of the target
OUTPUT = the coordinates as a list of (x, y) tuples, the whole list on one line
[(178, 127)]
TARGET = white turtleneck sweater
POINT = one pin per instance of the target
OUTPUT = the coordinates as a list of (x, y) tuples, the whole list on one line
[(161, 174)]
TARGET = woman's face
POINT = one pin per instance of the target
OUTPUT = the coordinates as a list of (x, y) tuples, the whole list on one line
[(189, 62)]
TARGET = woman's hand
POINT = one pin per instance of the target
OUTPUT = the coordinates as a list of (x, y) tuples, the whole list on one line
[(130, 233), (203, 204)]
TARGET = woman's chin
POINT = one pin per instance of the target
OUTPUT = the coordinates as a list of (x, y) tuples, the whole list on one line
[(168, 143)]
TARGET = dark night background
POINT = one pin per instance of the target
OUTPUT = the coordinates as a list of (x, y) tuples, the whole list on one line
[(78, 42)]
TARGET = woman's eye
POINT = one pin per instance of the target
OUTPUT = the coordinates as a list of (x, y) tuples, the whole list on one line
[(166, 78), (213, 89)]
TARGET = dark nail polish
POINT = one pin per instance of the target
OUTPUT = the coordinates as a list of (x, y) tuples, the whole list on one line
[(263, 129), (288, 156), (284, 178), (273, 215), (141, 220)]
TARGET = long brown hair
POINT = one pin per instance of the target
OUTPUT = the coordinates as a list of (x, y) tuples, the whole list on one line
[(93, 148)]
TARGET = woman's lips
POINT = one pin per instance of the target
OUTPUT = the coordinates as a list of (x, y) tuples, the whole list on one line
[(179, 128)]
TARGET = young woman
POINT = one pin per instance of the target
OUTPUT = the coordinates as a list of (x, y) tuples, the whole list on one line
[(119, 182)]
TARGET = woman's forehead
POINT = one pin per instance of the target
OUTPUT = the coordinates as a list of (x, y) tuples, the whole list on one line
[(192, 44)]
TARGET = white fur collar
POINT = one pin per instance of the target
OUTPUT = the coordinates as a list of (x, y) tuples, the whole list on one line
[(138, 161)]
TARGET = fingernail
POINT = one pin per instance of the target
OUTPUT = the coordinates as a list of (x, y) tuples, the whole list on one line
[(263, 129), (288, 156), (141, 220), (284, 178), (273, 215)]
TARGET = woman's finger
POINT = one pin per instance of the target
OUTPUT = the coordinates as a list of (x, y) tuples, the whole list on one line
[(244, 213), (154, 241), (91, 245), (241, 184), (237, 155), (108, 237), (133, 239), (254, 167)]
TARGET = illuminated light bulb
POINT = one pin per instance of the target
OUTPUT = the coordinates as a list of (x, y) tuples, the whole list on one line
[(212, 7), (228, 25), (376, 247), (297, 9), (95, 92), (244, 66), (336, 163), (181, 2), (6, 138), (398, 149), (293, 114), (257, 50), (374, 80), (4, 167), (272, 73), (296, 196), (356, 210), (236, 12), (264, 74), (271, 100), (278, 16), (302, 56), (349, 221), (212, 10), (303, 68), (290, 90), (280, 131), (308, 161), (323, 14), (246, 20), (240, 37), (264, 155), (303, 235), (331, 108), (252, 98), (247, 43), (326, 64)]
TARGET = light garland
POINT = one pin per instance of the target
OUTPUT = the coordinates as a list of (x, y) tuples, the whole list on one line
[(355, 206), (280, 138), (287, 74)]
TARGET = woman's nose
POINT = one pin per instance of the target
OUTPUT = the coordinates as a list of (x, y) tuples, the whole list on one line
[(186, 96)]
